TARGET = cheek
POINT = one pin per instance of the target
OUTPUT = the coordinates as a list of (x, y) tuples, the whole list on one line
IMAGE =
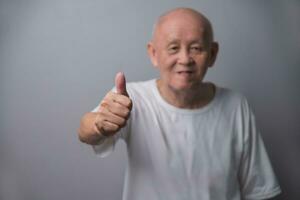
[(167, 63), (202, 62), (166, 68), (204, 59)]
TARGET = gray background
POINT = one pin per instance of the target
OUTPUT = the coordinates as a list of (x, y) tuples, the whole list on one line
[(59, 57)]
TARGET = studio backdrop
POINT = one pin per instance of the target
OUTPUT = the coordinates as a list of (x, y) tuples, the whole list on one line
[(58, 58)]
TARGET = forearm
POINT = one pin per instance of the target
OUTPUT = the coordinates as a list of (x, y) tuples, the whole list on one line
[(88, 132)]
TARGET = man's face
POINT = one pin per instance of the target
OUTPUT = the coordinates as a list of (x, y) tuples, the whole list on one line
[(182, 52)]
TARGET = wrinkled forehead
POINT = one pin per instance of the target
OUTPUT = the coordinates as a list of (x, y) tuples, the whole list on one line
[(179, 29)]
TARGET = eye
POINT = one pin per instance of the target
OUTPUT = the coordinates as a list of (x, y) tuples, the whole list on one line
[(196, 48), (173, 49)]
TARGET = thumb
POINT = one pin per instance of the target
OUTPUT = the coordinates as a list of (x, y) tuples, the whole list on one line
[(120, 83)]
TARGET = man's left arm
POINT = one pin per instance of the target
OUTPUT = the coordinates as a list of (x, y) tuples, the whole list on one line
[(256, 175)]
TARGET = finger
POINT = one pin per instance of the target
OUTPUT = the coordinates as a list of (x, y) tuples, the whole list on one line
[(121, 99), (120, 84), (107, 128), (107, 115), (117, 109)]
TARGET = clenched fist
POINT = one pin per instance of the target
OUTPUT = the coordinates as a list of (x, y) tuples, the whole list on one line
[(113, 112), (114, 108)]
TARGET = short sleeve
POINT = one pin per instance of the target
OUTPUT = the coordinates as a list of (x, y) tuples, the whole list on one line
[(256, 176)]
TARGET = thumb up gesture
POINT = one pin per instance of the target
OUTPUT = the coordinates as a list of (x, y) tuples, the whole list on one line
[(120, 84), (114, 109)]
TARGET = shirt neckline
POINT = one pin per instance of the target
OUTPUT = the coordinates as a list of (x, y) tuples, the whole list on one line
[(173, 108)]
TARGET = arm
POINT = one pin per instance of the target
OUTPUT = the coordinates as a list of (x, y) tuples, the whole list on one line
[(256, 176)]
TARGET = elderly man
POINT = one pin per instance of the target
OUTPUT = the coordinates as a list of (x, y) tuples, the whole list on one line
[(186, 138)]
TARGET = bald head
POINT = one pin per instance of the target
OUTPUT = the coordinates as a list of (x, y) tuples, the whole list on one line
[(182, 48), (187, 14)]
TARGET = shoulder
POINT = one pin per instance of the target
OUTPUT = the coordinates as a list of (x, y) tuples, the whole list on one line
[(140, 85), (234, 103), (141, 89), (230, 97)]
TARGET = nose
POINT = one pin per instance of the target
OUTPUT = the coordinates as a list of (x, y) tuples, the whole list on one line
[(184, 57)]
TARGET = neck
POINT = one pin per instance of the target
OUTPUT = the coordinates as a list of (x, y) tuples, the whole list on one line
[(190, 99)]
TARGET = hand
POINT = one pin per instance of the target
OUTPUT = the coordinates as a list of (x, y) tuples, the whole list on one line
[(114, 109)]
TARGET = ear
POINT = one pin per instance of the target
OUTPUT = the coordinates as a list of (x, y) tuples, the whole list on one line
[(214, 49), (152, 53)]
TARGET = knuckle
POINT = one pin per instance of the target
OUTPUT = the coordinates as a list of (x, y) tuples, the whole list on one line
[(104, 103), (129, 103), (109, 96)]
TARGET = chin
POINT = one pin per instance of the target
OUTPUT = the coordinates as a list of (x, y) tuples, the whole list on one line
[(182, 86)]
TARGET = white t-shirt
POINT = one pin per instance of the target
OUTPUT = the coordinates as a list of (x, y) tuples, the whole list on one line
[(211, 153)]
